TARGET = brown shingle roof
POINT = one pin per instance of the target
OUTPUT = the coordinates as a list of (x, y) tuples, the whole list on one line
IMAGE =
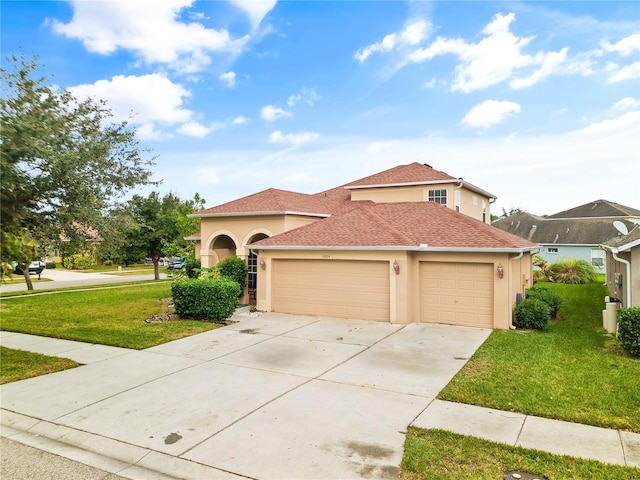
[(270, 200), (560, 231), (412, 173), (402, 225), (598, 208)]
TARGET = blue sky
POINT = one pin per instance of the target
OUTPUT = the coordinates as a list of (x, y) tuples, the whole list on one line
[(535, 102)]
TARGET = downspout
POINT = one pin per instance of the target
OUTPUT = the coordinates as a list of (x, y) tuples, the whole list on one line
[(628, 280), (517, 257)]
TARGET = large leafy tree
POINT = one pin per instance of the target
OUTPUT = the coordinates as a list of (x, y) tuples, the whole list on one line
[(64, 161), (161, 225)]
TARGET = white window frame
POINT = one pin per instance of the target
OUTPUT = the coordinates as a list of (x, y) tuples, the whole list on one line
[(438, 195)]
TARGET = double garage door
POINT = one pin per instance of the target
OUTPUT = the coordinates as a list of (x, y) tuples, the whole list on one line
[(457, 293), (332, 288), (450, 293)]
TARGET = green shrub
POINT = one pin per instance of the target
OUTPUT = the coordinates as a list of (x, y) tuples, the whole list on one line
[(78, 261), (50, 265), (234, 268), (532, 313), (629, 329), (572, 271), (107, 263), (192, 266), (547, 296), (210, 299)]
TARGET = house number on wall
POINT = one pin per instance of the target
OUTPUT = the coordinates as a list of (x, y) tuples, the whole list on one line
[(326, 256)]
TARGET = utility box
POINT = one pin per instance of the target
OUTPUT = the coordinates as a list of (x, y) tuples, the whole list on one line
[(610, 315)]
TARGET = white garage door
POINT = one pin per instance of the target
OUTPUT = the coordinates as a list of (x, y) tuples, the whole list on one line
[(332, 288), (457, 293)]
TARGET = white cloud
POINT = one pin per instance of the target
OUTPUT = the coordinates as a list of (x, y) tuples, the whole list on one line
[(378, 147), (295, 139), (628, 121), (256, 10), (228, 78), (148, 132), (624, 47), (549, 63), (413, 34), (627, 72), (489, 113), (306, 95), (152, 30), (493, 59), (150, 98), (208, 175), (626, 103), (195, 129), (271, 113), (240, 120)]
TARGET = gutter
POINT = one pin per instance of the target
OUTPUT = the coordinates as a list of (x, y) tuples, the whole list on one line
[(258, 214), (421, 248)]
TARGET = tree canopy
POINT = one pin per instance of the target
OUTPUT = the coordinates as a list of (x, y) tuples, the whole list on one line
[(63, 163), (160, 226)]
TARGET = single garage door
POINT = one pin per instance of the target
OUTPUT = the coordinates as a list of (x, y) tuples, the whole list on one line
[(457, 293), (332, 288)]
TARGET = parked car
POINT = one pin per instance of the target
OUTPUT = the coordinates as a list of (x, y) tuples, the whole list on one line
[(35, 267), (177, 264)]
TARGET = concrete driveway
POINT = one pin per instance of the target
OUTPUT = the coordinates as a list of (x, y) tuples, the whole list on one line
[(273, 396)]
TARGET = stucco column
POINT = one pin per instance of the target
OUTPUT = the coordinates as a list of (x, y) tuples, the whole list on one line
[(398, 282)]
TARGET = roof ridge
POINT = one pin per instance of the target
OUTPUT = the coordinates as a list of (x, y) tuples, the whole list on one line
[(370, 211)]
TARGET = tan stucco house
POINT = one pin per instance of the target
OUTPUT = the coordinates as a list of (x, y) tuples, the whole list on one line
[(623, 267), (410, 244)]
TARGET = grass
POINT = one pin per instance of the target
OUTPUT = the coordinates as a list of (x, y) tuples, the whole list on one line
[(15, 279), (114, 316), (573, 371), (18, 365), (435, 454)]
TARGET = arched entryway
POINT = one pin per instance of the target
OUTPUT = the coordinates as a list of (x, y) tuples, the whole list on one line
[(252, 264), (223, 247)]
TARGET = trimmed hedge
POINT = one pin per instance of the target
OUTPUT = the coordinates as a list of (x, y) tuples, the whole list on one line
[(192, 266), (210, 299), (235, 268), (532, 313), (629, 329), (547, 296)]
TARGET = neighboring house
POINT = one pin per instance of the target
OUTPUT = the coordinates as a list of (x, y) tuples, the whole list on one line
[(410, 244), (623, 267), (576, 233)]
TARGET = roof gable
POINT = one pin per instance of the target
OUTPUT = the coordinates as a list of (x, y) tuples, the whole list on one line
[(398, 225), (403, 174), (271, 200)]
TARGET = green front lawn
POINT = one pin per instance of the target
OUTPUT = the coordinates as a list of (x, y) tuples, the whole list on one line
[(435, 454), (573, 371), (114, 316), (18, 365)]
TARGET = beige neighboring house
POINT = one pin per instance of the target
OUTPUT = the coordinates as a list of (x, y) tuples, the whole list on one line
[(410, 244), (623, 267)]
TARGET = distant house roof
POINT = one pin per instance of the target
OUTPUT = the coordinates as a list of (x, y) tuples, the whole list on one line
[(407, 225), (599, 209), (622, 243), (560, 231)]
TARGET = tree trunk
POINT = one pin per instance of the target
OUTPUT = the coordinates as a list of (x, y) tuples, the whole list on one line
[(27, 278), (156, 269)]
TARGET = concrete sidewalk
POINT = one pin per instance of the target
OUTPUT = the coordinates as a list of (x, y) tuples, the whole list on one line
[(276, 396)]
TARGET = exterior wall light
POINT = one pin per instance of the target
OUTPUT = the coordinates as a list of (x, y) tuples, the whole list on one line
[(500, 271), (263, 264), (396, 267)]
